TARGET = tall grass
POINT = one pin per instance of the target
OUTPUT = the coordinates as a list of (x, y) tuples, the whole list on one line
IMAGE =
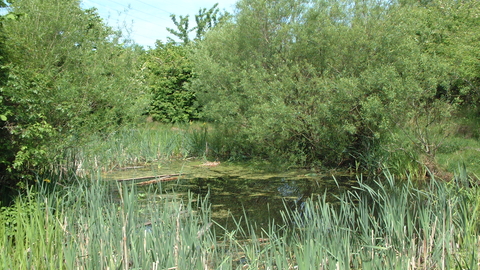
[(392, 225), (381, 225), (86, 227), (132, 146)]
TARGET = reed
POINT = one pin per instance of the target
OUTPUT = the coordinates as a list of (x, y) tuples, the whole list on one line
[(386, 224), (381, 225), (91, 227), (129, 146)]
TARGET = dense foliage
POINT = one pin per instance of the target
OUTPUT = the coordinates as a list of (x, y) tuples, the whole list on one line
[(68, 75), (313, 82), (328, 81), (169, 70), (357, 83)]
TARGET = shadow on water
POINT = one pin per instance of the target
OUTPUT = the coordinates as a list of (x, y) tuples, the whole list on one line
[(236, 191)]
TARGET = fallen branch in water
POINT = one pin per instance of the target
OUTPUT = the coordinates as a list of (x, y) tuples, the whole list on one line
[(164, 179), (148, 177)]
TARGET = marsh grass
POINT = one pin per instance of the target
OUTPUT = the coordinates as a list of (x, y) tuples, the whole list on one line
[(459, 150), (146, 143), (155, 142), (387, 224), (411, 149), (86, 227)]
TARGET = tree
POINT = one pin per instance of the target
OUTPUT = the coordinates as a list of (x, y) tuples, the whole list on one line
[(68, 76), (320, 82), (205, 20), (169, 70), (183, 30), (6, 156)]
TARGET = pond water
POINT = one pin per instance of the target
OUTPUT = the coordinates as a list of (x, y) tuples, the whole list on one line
[(237, 190)]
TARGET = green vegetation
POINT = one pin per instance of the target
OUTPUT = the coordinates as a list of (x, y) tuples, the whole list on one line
[(68, 76), (320, 84), (335, 83), (145, 144), (169, 70), (83, 228), (205, 20), (364, 86), (383, 225)]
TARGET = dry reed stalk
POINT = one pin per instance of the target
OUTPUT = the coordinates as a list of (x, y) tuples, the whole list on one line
[(125, 254), (124, 230), (177, 239)]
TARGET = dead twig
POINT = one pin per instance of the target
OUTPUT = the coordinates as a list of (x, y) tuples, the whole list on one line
[(164, 179), (148, 177)]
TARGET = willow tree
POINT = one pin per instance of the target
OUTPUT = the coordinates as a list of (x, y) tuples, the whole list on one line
[(69, 75), (320, 82)]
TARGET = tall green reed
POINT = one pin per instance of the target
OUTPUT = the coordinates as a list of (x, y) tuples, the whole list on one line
[(386, 224), (390, 225), (88, 227), (132, 146)]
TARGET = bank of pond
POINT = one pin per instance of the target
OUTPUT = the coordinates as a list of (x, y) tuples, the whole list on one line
[(242, 219)]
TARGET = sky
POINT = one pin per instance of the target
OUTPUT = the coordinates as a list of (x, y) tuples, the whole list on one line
[(147, 20)]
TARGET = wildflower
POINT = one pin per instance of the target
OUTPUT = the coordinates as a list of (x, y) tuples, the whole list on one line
[(46, 180)]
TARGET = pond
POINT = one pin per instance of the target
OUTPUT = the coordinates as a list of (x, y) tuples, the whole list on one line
[(236, 190)]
